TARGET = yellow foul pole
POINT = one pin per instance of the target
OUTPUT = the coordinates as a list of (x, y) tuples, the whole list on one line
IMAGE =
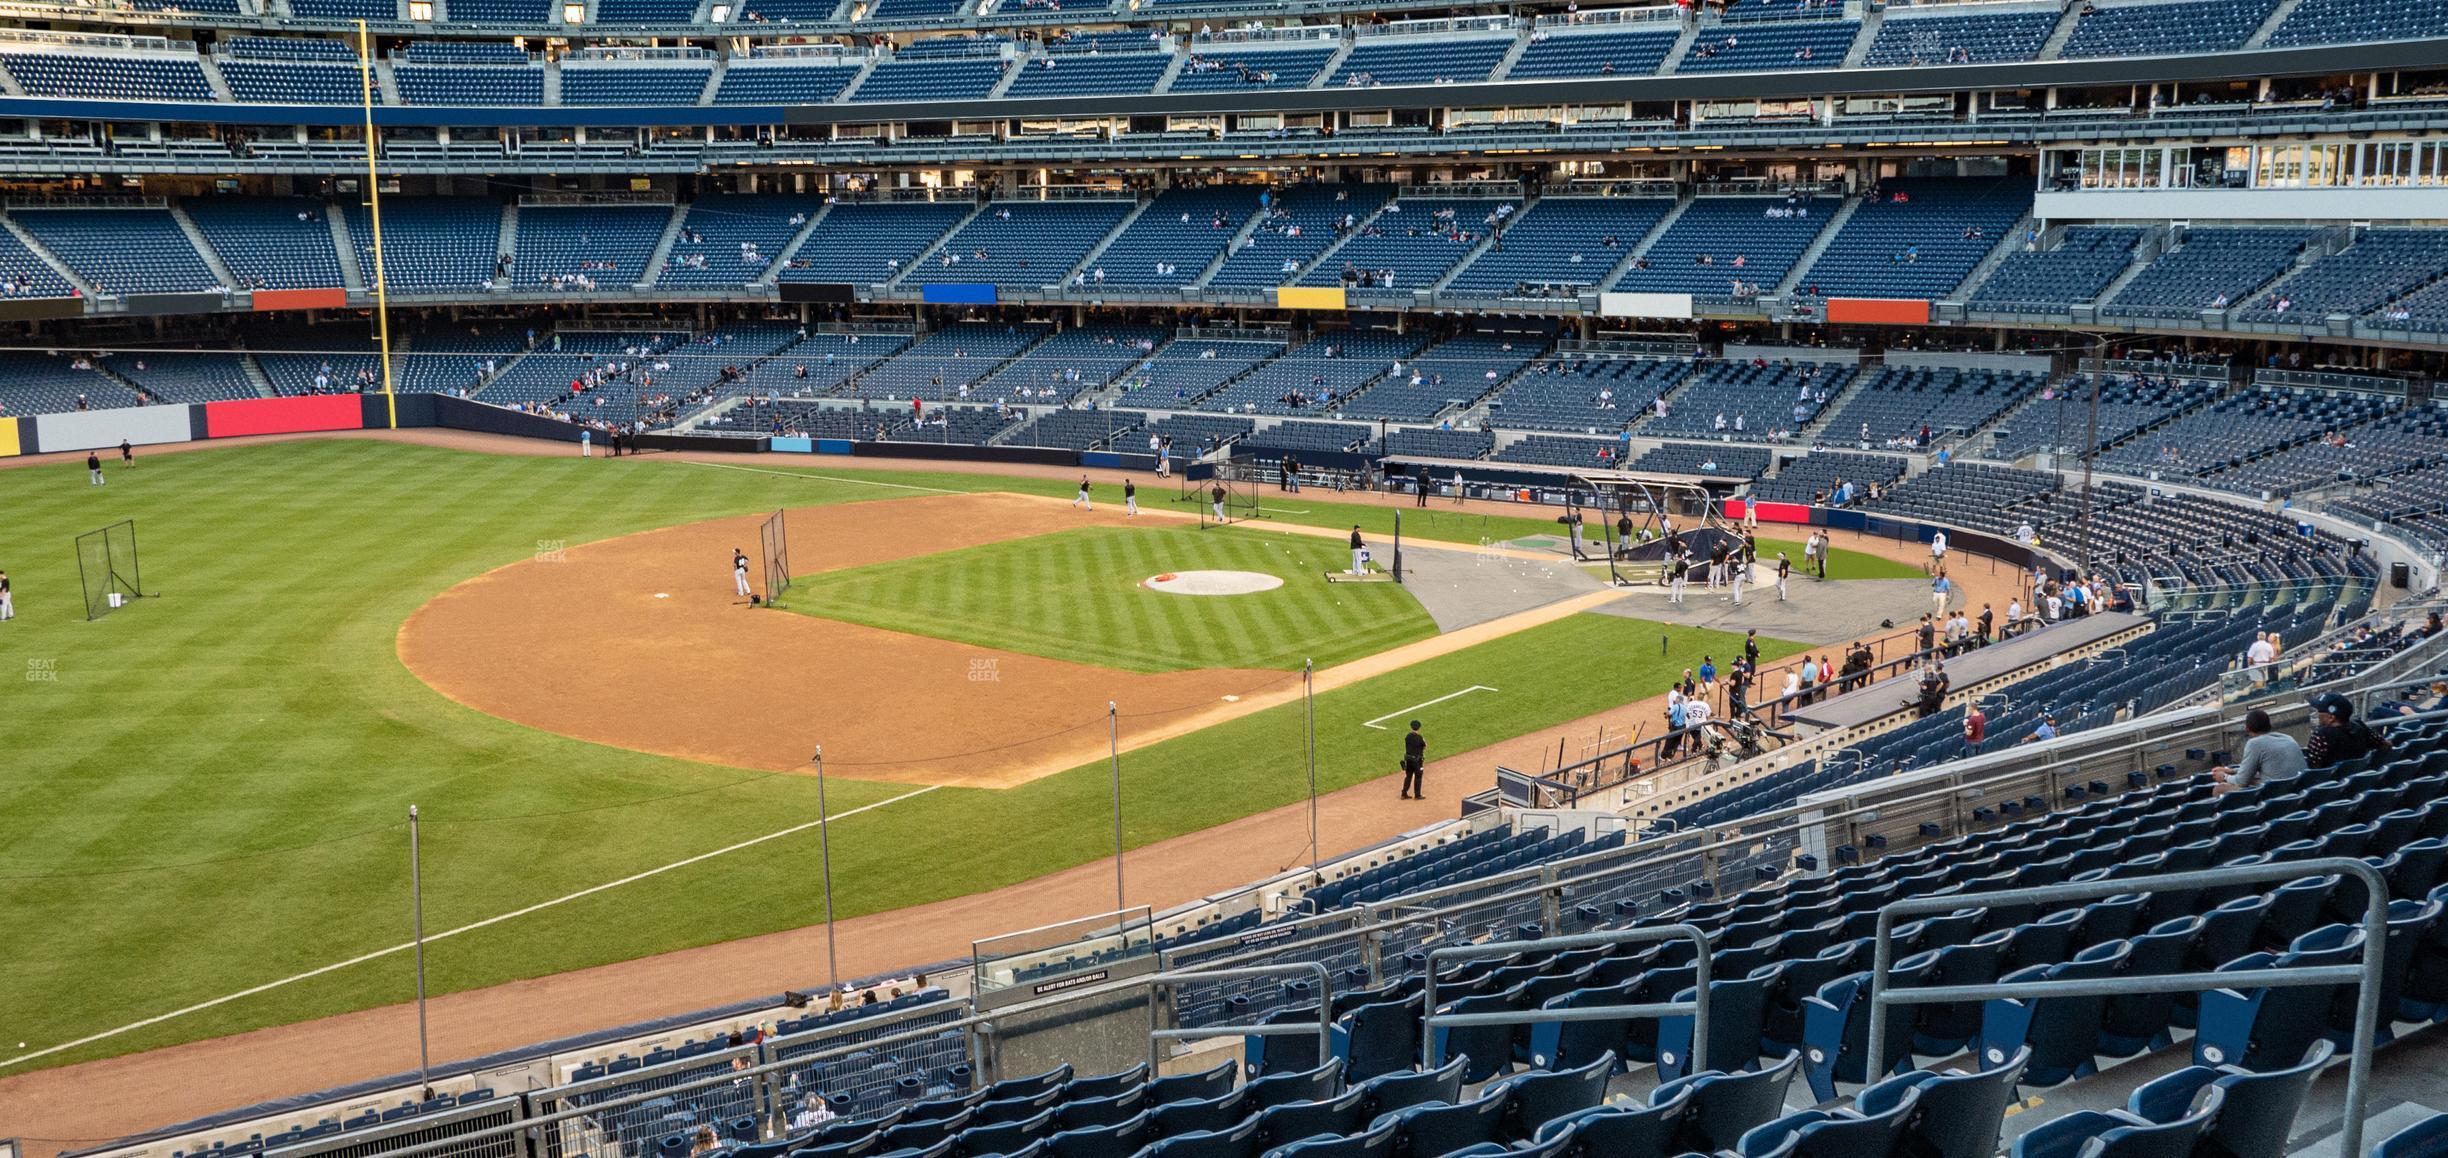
[(382, 289)]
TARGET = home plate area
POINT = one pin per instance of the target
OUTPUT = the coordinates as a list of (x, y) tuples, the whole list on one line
[(1211, 582)]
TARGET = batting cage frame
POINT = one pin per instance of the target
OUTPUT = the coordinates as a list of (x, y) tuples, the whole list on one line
[(773, 542), (107, 566), (1240, 483)]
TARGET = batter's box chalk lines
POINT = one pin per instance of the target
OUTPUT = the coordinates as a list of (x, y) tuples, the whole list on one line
[(471, 927), (826, 478), (1379, 722)]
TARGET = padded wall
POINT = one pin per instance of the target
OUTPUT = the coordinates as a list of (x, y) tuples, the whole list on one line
[(93, 429), (283, 415)]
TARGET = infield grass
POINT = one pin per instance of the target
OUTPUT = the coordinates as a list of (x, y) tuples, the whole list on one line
[(1077, 595), (206, 791)]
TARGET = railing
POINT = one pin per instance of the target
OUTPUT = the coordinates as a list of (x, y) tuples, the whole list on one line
[(639, 53), (2143, 368), (86, 203), (1623, 188), (2330, 380), (835, 52), (604, 197), (1267, 35), (2365, 976), (1483, 190), (1651, 14), (1462, 25), (1696, 1009), (1325, 1002), (16, 36)]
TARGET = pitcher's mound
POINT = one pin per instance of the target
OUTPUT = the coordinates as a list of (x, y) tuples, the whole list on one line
[(1212, 582)]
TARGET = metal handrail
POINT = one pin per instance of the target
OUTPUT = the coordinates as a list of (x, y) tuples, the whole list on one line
[(1325, 1022), (1697, 1007), (2365, 975)]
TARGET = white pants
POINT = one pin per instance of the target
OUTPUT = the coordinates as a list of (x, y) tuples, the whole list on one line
[(1738, 582), (1218, 508), (586, 448), (1081, 500), (1938, 599), (97, 476), (740, 577), (1674, 589), (1130, 505), (1780, 589), (8, 607), (1358, 554)]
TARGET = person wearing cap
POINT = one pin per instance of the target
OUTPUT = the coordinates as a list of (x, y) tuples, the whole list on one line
[(2269, 756), (2336, 735), (1414, 761), (2046, 731)]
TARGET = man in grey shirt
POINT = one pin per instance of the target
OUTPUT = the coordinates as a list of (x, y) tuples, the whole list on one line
[(2268, 756)]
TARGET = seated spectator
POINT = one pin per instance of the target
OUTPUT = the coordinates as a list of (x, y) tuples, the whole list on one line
[(2336, 735), (2269, 756)]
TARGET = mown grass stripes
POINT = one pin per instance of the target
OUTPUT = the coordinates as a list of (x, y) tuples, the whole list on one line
[(1077, 595)]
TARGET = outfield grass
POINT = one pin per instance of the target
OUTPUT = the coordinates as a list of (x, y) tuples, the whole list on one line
[(1076, 595), (206, 791)]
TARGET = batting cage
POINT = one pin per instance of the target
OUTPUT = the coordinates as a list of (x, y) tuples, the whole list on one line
[(775, 545), (106, 563), (1228, 495)]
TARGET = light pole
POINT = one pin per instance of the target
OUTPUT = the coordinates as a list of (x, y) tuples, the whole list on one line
[(1113, 741), (1309, 702), (416, 909), (824, 845)]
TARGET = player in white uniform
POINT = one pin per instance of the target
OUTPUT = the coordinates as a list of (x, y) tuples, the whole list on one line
[(739, 571)]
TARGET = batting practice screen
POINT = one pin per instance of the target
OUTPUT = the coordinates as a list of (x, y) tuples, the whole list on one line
[(106, 563), (776, 546)]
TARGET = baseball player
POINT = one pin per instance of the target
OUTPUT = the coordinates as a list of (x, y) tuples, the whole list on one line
[(1359, 550), (8, 608), (127, 453), (1784, 572), (1216, 502), (1081, 499), (739, 571), (1130, 498), (93, 467), (1738, 569), (1678, 571)]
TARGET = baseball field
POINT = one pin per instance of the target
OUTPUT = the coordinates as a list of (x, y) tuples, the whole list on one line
[(203, 805)]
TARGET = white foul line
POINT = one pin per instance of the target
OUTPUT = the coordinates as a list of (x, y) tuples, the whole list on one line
[(824, 478), (405, 946), (1415, 707)]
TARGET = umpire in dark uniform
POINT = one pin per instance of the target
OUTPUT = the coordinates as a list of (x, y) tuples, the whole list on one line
[(1414, 762)]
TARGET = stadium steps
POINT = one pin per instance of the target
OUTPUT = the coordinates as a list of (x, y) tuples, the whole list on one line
[(552, 82), (1810, 431), (195, 237), (1872, 17), (2007, 246), (9, 85), (255, 376), (1640, 247), (656, 260), (1512, 56), (2269, 27), (1163, 84), (509, 244), (1682, 47), (865, 70), (1098, 250), (1011, 76), (352, 275), (213, 77), (542, 344), (1333, 63), (773, 271), (936, 246), (1795, 277), (1249, 226), (57, 266), (387, 83), (714, 79), (101, 366), (1319, 262), (2153, 244), (2058, 36), (1485, 244), (721, 406)]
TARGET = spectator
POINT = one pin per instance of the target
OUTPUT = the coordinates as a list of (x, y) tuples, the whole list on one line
[(813, 1112), (2336, 735), (2046, 731), (2268, 756), (1976, 729)]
